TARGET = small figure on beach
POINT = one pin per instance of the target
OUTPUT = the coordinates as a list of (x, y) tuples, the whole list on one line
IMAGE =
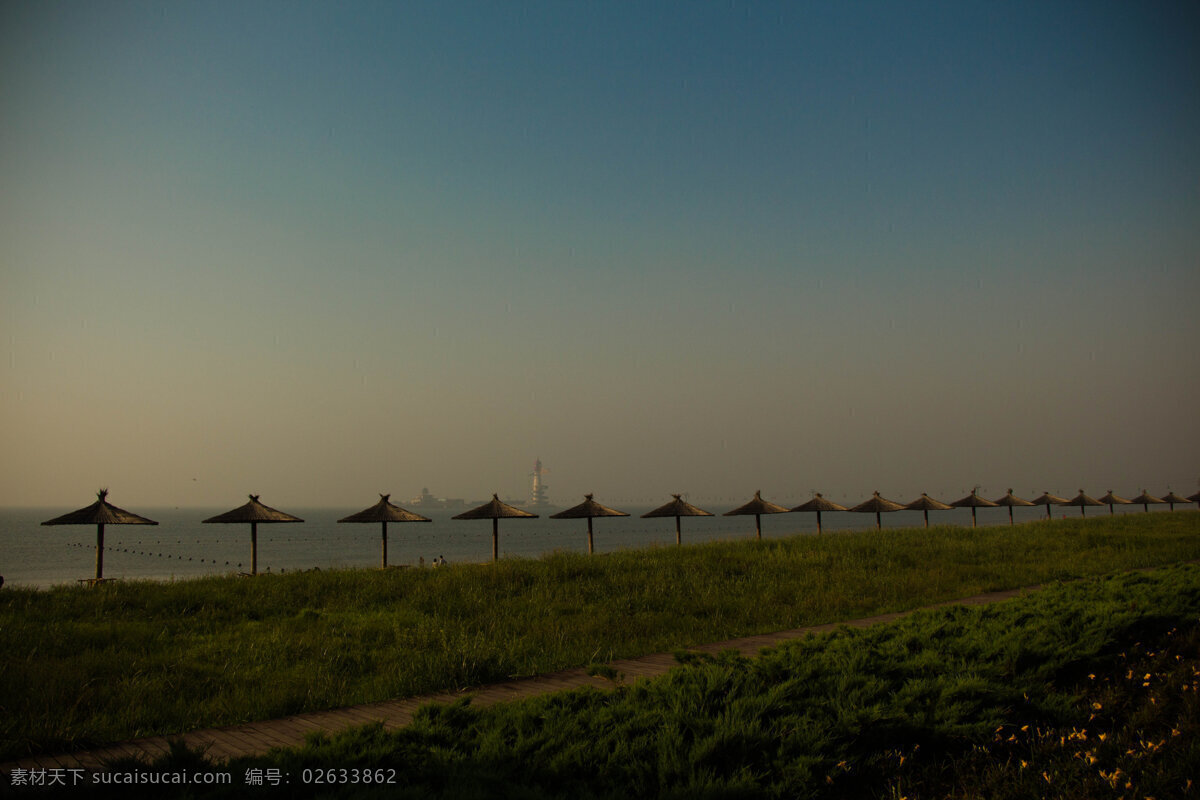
[(421, 562)]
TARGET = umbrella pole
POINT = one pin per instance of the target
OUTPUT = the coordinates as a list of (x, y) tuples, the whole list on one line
[(99, 551), (384, 523), (495, 539), (818, 522), (678, 539), (1010, 519), (972, 516), (926, 517), (253, 548), (1082, 512), (878, 522), (589, 536), (758, 526), (1047, 511)]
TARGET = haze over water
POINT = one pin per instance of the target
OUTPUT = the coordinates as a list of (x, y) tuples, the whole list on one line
[(321, 252)]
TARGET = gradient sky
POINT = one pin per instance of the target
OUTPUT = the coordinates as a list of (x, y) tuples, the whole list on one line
[(317, 251)]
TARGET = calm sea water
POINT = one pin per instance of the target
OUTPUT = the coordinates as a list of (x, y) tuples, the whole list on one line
[(180, 546)]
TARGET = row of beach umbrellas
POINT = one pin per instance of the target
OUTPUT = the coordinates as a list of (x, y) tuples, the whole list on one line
[(102, 513)]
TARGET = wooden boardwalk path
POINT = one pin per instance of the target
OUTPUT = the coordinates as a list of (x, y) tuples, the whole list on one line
[(258, 737)]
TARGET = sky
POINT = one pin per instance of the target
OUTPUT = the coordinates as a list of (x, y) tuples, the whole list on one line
[(320, 251)]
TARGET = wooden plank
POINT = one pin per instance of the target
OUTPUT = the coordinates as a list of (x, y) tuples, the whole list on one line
[(277, 736)]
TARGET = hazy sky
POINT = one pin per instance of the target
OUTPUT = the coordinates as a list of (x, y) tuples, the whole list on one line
[(323, 250)]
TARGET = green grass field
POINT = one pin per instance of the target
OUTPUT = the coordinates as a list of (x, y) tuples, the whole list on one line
[(1082, 689), (83, 667), (1086, 689)]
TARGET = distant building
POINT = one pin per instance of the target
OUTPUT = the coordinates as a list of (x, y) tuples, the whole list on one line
[(538, 497), (428, 501)]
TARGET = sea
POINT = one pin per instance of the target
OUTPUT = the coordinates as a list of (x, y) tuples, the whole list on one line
[(182, 547)]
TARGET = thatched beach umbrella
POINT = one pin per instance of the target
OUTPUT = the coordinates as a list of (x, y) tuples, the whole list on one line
[(1011, 500), (926, 503), (974, 501), (877, 505), (757, 507), (819, 504), (494, 510), (588, 508), (100, 513), (253, 512), (677, 508), (384, 512), (1082, 500), (1048, 500), (1145, 498), (1111, 500), (1173, 498), (1195, 498)]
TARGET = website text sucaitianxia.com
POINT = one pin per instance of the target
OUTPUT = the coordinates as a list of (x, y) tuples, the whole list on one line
[(65, 777)]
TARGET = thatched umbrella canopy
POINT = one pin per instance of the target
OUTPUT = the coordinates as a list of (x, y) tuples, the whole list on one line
[(1011, 500), (877, 505), (1082, 500), (1145, 498), (677, 508), (819, 504), (1048, 500), (494, 510), (384, 512), (757, 507), (926, 503), (1111, 500), (253, 512), (1195, 498), (100, 513), (974, 501), (588, 508), (1173, 498)]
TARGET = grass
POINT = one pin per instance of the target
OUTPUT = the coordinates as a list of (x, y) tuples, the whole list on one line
[(1086, 689), (83, 667)]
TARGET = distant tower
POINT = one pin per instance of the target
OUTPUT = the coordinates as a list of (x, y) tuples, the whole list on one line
[(537, 497)]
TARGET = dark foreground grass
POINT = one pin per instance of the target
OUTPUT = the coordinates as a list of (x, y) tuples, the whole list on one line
[(1086, 689), (86, 667)]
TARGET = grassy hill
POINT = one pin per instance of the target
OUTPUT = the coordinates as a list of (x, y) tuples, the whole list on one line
[(82, 667)]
